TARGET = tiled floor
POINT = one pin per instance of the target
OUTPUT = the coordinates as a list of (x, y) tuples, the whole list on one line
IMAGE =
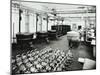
[(62, 44)]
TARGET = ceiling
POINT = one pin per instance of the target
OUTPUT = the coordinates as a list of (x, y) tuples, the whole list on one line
[(54, 7)]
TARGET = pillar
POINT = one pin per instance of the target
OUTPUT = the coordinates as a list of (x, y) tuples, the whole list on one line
[(27, 21)]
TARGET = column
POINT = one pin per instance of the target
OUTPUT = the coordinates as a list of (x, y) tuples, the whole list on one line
[(36, 21), (40, 22), (27, 21), (20, 18), (47, 22)]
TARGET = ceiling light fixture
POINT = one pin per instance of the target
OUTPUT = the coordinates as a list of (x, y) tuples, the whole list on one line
[(81, 7)]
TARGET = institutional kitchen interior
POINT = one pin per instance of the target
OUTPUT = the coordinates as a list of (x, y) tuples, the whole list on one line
[(52, 37)]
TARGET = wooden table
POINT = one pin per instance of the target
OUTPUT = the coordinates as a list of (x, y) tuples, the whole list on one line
[(42, 36), (23, 38), (52, 34)]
